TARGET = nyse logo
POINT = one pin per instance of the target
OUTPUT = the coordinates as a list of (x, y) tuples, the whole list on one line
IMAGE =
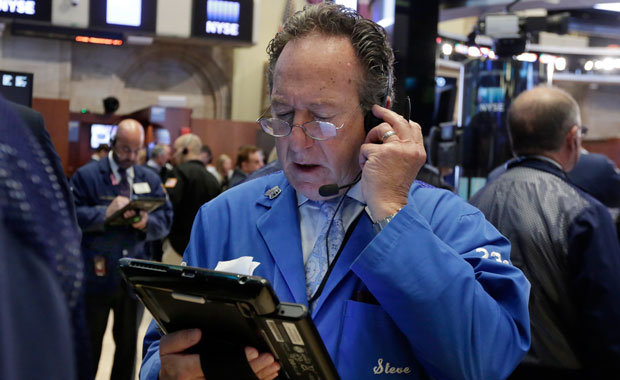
[(223, 17), (22, 7)]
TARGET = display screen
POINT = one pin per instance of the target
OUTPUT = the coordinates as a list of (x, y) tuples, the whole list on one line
[(40, 10), (124, 12), (100, 134), (223, 20), (17, 87), (125, 15)]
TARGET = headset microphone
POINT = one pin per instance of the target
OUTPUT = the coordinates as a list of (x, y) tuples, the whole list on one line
[(332, 189)]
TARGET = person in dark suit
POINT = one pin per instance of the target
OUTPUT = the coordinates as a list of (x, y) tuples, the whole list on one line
[(190, 186), (599, 176), (100, 189), (41, 273)]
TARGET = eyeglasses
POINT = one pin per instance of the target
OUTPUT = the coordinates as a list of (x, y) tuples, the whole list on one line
[(315, 129)]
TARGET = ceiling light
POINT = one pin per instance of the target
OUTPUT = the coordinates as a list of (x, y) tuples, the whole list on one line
[(473, 51), (527, 57), (614, 7), (598, 64), (560, 64), (547, 58)]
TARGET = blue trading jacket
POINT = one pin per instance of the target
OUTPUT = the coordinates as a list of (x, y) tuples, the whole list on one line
[(449, 303), (93, 191)]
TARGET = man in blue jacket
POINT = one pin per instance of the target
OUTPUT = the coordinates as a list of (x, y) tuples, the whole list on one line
[(403, 280), (100, 189)]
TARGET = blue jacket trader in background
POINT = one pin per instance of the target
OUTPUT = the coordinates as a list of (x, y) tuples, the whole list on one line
[(100, 188), (412, 282)]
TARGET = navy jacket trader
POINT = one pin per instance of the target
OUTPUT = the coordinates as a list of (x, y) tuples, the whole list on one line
[(562, 238), (100, 188), (432, 294)]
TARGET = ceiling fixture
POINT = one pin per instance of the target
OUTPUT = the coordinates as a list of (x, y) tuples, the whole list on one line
[(614, 7)]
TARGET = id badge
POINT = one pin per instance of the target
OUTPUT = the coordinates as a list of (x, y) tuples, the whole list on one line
[(100, 266)]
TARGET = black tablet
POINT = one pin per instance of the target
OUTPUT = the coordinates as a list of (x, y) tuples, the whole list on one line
[(148, 204), (232, 310)]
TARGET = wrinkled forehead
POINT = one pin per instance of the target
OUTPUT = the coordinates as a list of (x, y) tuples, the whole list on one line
[(317, 68)]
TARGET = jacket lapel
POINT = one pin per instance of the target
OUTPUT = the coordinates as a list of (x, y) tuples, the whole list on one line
[(279, 227), (359, 239), (106, 171)]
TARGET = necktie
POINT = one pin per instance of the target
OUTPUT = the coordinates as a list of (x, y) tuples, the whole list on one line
[(317, 263), (124, 183)]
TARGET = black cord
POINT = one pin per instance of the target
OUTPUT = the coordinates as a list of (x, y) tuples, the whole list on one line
[(407, 114), (509, 6), (319, 289)]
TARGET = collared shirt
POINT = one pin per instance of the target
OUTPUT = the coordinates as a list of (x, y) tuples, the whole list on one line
[(117, 175), (310, 213)]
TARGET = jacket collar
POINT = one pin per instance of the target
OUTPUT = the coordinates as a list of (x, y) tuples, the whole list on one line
[(540, 163)]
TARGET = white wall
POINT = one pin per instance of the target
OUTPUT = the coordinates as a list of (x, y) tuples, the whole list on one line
[(249, 63)]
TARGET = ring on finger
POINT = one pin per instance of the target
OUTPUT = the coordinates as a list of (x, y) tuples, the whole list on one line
[(387, 135)]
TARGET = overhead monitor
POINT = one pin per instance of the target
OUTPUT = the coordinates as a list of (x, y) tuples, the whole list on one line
[(38, 10), (124, 15), (223, 20), (16, 87), (100, 134)]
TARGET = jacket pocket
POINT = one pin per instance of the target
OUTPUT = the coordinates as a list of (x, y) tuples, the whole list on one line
[(372, 346)]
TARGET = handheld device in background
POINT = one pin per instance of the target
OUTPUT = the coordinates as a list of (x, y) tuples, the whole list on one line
[(148, 204)]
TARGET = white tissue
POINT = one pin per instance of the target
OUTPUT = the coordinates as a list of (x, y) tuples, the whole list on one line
[(242, 265)]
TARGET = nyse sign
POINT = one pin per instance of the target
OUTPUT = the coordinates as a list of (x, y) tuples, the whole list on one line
[(21, 7), (225, 28), (223, 17), (40, 10)]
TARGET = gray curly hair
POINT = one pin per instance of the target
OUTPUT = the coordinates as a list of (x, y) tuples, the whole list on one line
[(369, 41)]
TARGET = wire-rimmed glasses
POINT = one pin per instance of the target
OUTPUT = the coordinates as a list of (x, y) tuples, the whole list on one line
[(315, 129)]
